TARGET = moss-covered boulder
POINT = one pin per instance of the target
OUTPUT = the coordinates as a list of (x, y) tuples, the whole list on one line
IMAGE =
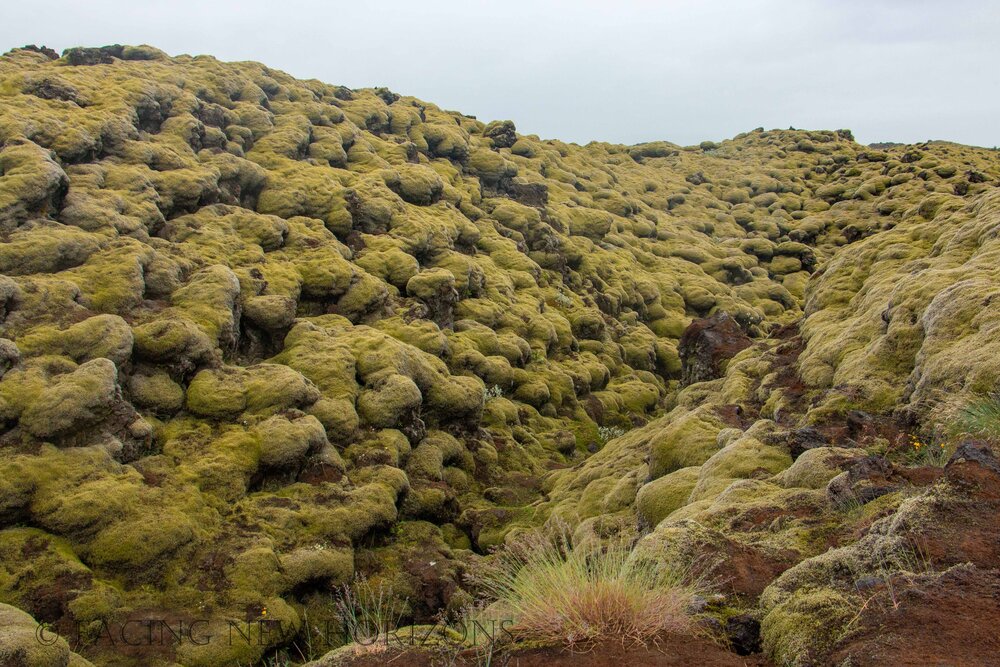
[(33, 182), (814, 468), (76, 400), (390, 400), (107, 336), (416, 184), (25, 641), (156, 391), (659, 498), (689, 439)]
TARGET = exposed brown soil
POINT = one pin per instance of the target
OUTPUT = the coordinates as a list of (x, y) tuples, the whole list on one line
[(950, 620), (750, 570), (50, 602), (969, 529), (733, 415), (742, 569), (669, 651), (948, 617), (784, 360), (146, 635)]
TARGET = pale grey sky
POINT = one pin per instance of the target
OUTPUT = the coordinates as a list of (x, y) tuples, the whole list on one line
[(611, 70)]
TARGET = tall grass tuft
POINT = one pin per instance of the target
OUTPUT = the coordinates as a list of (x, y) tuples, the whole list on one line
[(980, 418), (577, 595), (368, 613)]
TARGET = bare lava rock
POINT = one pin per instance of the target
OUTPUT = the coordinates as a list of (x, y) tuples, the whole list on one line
[(707, 344)]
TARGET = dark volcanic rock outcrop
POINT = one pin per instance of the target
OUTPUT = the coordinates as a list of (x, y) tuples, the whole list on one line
[(706, 346)]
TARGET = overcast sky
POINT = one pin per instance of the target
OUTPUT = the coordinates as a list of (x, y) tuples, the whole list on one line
[(611, 70)]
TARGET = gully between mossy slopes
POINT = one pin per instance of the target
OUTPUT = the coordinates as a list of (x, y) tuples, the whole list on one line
[(258, 334)]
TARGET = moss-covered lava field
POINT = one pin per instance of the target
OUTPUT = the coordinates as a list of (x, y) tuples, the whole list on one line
[(261, 336)]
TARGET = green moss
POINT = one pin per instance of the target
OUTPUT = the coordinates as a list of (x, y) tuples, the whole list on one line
[(52, 560), (276, 387), (588, 222), (242, 640), (19, 642), (173, 340), (746, 457), (458, 397), (227, 391), (425, 335), (88, 505), (363, 299), (391, 265), (416, 184), (427, 460), (285, 442), (303, 190), (101, 336), (209, 299), (385, 403), (75, 400), (217, 393), (523, 147), (535, 393), (783, 265), (659, 498), (800, 631), (33, 182), (317, 563), (40, 248), (385, 447), (432, 284), (338, 417), (270, 311), (324, 358), (442, 140), (814, 468), (138, 545), (689, 439)]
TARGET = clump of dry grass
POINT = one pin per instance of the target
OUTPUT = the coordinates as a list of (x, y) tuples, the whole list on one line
[(576, 595)]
